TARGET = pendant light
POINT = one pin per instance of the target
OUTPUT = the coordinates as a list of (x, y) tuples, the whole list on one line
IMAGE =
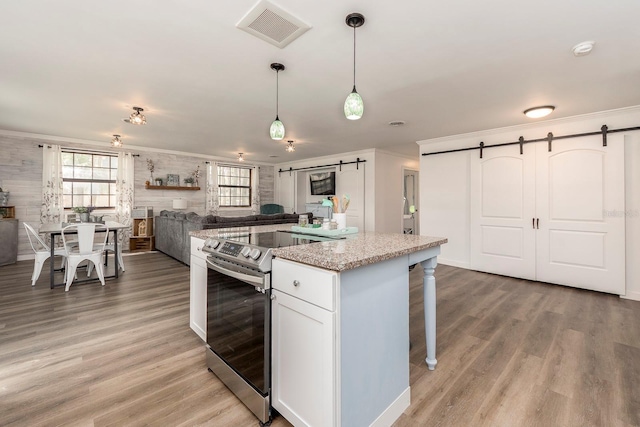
[(116, 141), (354, 106), (277, 128), (240, 158)]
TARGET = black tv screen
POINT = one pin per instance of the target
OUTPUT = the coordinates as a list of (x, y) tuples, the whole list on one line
[(323, 183)]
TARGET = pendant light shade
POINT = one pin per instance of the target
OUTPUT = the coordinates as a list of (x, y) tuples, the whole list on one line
[(277, 130), (353, 105), (277, 127)]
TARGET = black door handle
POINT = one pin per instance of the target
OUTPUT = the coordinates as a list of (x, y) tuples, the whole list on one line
[(538, 223)]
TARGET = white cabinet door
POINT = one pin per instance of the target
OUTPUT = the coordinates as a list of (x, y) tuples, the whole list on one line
[(304, 365), (580, 188), (198, 289), (502, 212)]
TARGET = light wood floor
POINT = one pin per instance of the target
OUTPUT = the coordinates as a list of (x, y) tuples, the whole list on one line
[(510, 353)]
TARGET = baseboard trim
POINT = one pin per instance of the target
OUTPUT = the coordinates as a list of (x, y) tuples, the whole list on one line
[(454, 263), (635, 296), (394, 411)]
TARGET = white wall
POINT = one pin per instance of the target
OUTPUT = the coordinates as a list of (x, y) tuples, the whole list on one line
[(389, 190), (444, 181), (632, 211)]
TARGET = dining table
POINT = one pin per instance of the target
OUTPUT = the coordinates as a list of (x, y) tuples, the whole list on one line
[(54, 229)]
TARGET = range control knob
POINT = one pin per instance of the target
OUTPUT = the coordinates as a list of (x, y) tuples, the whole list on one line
[(255, 253), (246, 251), (212, 243)]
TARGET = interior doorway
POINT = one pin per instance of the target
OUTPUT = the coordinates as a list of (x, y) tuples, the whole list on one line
[(410, 218)]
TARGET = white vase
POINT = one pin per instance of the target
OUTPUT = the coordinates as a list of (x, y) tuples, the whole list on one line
[(341, 220)]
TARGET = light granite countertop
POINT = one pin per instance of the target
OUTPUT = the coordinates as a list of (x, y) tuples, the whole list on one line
[(355, 250)]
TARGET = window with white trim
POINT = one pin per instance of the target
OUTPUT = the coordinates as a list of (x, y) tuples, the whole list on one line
[(89, 179), (234, 185)]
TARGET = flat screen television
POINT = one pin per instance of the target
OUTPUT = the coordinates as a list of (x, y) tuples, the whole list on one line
[(323, 183)]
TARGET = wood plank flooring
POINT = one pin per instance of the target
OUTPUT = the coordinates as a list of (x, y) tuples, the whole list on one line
[(510, 353)]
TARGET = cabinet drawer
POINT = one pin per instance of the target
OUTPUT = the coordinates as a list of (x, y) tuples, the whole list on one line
[(196, 248), (308, 283)]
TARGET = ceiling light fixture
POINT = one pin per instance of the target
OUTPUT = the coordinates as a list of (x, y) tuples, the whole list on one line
[(354, 106), (240, 158), (290, 148), (538, 112), (137, 118), (277, 128), (583, 49), (116, 141)]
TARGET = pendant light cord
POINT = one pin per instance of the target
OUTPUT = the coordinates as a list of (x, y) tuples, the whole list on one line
[(354, 57), (277, 93)]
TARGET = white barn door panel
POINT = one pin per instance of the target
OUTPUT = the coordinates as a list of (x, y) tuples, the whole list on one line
[(580, 240), (350, 180), (285, 190), (502, 209)]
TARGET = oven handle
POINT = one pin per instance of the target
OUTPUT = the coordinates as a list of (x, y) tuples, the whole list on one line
[(254, 280)]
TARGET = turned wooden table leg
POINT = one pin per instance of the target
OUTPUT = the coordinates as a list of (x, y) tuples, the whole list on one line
[(429, 283)]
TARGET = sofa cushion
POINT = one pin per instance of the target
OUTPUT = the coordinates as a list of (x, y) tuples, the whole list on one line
[(210, 219), (269, 217), (164, 213), (228, 219)]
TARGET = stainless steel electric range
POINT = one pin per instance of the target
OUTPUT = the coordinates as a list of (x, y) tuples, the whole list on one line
[(239, 312)]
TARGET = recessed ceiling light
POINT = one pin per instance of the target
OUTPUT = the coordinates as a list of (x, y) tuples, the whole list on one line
[(396, 123), (273, 156), (584, 48), (538, 112)]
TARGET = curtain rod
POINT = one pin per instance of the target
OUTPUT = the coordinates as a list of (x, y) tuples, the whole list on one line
[(88, 151), (357, 162), (604, 130)]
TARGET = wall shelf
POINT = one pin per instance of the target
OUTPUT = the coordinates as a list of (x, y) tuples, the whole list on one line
[(170, 187)]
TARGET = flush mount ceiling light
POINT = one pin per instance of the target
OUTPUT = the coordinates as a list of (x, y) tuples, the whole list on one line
[(290, 148), (354, 106), (277, 128), (137, 118), (240, 158), (538, 112), (584, 48), (116, 141)]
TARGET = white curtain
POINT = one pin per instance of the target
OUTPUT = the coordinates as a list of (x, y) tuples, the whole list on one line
[(52, 203), (212, 204), (124, 195), (255, 186)]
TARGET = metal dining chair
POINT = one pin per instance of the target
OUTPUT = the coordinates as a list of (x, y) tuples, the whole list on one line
[(42, 251), (83, 249)]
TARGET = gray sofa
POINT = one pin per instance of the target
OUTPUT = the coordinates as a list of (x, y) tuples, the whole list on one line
[(172, 228)]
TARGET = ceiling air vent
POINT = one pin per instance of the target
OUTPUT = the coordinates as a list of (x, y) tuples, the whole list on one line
[(272, 24)]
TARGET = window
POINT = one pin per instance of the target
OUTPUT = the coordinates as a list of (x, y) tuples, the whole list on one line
[(234, 184), (89, 179)]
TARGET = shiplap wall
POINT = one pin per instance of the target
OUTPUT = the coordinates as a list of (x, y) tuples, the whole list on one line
[(21, 174)]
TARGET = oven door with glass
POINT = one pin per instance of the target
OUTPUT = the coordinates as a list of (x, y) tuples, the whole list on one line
[(238, 331)]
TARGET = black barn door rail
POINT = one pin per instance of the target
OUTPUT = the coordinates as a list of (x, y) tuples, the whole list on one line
[(604, 130), (357, 162)]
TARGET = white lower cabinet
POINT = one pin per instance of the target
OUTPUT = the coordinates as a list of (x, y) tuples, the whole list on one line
[(198, 289), (304, 375), (340, 354)]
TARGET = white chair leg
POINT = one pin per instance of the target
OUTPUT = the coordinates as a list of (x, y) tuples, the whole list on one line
[(37, 269), (100, 271), (120, 261), (70, 272)]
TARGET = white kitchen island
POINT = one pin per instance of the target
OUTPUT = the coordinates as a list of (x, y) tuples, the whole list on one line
[(340, 326)]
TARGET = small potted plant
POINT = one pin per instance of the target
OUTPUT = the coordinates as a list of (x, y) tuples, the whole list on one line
[(158, 181), (83, 211), (188, 181)]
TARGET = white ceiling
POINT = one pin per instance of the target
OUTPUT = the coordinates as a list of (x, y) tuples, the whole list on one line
[(74, 68)]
